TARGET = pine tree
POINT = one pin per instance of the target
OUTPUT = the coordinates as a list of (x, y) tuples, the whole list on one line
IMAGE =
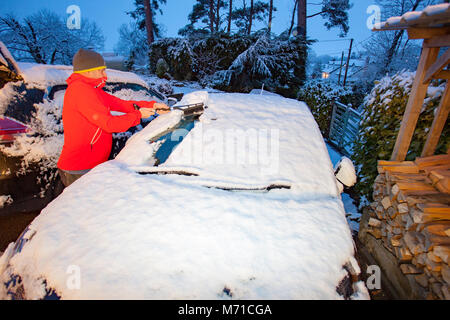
[(207, 13), (335, 12), (244, 16), (144, 15), (271, 9)]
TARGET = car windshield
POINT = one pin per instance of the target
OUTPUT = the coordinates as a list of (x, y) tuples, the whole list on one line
[(115, 87)]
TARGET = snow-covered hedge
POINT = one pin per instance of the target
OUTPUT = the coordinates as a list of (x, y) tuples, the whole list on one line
[(383, 111), (319, 96), (231, 62)]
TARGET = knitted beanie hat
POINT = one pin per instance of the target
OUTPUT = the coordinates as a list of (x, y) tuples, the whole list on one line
[(87, 60)]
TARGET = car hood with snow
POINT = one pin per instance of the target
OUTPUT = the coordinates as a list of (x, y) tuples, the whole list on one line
[(245, 207)]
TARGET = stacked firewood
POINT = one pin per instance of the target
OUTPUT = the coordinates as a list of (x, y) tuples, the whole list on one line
[(411, 216)]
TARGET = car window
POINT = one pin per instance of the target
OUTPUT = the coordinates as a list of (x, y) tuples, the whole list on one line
[(21, 106), (117, 86), (55, 89)]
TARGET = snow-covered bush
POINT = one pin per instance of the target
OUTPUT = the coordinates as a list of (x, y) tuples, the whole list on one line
[(320, 97), (383, 111), (162, 68), (178, 54), (232, 62), (276, 63)]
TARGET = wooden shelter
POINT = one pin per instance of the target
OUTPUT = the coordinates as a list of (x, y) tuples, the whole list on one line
[(409, 220), (433, 26)]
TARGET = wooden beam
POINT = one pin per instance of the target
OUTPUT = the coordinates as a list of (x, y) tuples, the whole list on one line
[(415, 103), (427, 33), (438, 123), (444, 74), (438, 42), (438, 66)]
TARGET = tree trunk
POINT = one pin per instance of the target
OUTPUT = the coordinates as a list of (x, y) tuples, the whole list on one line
[(293, 18), (149, 21), (218, 15), (270, 15), (211, 15), (250, 17), (229, 17), (301, 18)]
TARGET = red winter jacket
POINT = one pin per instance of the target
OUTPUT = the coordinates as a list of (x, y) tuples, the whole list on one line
[(88, 123)]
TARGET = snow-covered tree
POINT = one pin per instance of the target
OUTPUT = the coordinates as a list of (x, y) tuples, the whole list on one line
[(206, 17), (132, 44), (273, 62), (44, 37), (244, 16), (390, 51), (335, 12)]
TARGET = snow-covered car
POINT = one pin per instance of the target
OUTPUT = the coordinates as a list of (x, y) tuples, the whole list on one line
[(28, 157), (242, 203)]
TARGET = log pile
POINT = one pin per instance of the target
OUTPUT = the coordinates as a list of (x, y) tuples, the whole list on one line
[(411, 216)]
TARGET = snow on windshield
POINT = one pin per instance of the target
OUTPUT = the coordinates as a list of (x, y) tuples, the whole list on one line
[(246, 140), (167, 237)]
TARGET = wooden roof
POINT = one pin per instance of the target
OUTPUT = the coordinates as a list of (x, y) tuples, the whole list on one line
[(436, 16)]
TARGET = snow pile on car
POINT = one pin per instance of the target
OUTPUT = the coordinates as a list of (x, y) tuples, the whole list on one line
[(40, 75), (135, 236)]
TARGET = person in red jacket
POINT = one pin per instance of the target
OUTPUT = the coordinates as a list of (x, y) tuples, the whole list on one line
[(87, 119)]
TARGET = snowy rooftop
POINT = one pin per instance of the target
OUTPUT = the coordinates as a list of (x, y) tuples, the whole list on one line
[(432, 16), (183, 237)]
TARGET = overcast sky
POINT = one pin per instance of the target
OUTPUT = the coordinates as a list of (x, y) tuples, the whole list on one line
[(110, 14)]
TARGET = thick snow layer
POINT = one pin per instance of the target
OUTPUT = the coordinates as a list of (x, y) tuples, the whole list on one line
[(47, 75), (6, 94), (128, 235), (437, 9), (250, 140)]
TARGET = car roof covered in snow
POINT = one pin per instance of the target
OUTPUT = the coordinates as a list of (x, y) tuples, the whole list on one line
[(42, 75), (173, 236)]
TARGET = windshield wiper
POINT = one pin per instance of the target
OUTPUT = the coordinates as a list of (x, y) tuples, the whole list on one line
[(264, 189), (166, 172)]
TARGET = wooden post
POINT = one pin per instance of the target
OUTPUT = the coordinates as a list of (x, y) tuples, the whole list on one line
[(340, 69), (415, 103), (438, 123), (348, 62)]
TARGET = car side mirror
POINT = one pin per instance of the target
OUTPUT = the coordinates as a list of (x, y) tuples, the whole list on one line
[(345, 173)]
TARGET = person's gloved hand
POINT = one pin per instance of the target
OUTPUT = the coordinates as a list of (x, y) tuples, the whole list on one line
[(161, 108), (146, 112)]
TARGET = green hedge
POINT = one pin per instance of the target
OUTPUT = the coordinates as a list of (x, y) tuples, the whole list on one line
[(319, 96), (383, 111)]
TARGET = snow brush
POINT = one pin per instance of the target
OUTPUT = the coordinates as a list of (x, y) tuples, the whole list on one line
[(195, 109)]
